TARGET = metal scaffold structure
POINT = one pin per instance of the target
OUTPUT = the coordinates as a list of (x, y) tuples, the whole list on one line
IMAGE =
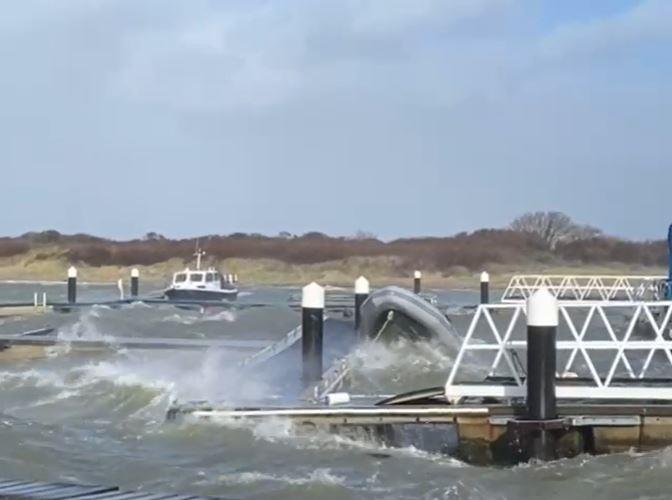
[(613, 343), (586, 288)]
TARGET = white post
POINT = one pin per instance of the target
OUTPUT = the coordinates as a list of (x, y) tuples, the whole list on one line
[(417, 282), (485, 288), (542, 326), (312, 327), (135, 282), (72, 285), (362, 290)]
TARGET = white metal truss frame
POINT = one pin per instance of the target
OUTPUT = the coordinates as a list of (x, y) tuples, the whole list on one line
[(601, 386), (585, 287)]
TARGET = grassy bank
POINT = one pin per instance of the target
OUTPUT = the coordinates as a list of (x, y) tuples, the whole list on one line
[(380, 270)]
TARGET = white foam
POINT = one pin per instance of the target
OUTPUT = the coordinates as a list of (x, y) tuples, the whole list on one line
[(317, 476)]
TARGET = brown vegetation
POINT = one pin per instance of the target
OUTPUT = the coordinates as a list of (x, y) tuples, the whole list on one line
[(468, 250)]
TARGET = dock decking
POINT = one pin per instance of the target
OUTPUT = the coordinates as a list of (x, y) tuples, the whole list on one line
[(55, 491)]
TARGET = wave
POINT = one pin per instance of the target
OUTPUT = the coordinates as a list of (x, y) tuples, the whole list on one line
[(323, 476), (183, 319)]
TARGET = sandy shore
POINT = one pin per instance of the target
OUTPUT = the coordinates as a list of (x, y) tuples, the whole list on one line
[(379, 270)]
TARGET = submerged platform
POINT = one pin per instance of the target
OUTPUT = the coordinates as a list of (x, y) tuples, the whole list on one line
[(58, 490), (52, 339)]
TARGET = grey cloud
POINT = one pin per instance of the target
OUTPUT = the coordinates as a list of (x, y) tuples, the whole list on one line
[(276, 115), (647, 22)]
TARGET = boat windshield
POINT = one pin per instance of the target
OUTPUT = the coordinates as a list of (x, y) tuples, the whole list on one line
[(180, 278), (196, 277), (210, 277)]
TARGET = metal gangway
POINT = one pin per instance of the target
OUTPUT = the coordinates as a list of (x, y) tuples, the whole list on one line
[(586, 287), (606, 351)]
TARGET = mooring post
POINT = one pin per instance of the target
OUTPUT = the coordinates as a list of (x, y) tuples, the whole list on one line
[(362, 290), (485, 288), (542, 326), (72, 285), (417, 282), (312, 327), (135, 282), (669, 263)]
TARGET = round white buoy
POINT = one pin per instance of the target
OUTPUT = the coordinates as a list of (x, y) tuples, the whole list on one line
[(135, 273), (72, 272), (417, 275), (485, 277)]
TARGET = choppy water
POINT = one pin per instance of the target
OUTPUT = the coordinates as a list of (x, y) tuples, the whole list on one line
[(100, 418)]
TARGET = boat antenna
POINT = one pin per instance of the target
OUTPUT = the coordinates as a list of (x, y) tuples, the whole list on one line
[(198, 254)]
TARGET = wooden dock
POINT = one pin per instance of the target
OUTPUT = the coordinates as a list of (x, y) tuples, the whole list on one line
[(35, 344), (164, 343), (22, 310), (485, 434)]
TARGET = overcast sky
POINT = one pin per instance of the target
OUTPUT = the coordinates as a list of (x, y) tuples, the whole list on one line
[(398, 117)]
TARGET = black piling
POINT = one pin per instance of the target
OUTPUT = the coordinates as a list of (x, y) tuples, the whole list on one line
[(135, 282), (485, 288), (362, 290), (72, 285), (668, 289), (542, 326), (417, 282), (312, 325)]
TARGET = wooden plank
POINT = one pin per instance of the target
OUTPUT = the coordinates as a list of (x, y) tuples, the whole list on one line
[(339, 416)]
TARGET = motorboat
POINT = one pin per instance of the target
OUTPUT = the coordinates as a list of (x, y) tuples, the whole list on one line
[(202, 284)]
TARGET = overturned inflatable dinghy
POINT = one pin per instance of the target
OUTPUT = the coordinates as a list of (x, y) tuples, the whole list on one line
[(412, 317)]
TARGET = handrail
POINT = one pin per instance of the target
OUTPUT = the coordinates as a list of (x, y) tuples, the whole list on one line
[(585, 287), (600, 383)]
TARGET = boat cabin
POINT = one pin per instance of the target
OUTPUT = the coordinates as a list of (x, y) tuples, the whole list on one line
[(198, 278)]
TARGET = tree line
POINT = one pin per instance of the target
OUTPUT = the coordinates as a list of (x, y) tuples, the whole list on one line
[(540, 237)]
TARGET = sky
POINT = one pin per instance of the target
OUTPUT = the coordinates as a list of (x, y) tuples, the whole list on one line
[(395, 117)]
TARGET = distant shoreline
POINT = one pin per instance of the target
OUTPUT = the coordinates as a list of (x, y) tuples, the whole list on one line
[(379, 270)]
